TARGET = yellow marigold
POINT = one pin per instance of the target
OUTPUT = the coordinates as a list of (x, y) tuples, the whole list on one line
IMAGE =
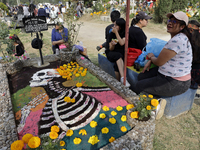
[(91, 14), (85, 69), (67, 99), (79, 84), (113, 113), (62, 149), (129, 106), (53, 135), (123, 118), (70, 74), (27, 137), (93, 139), (69, 67), (112, 120), (17, 145), (102, 115), (55, 129), (73, 100), (150, 96), (64, 77), (77, 140), (123, 129), (105, 108), (105, 130), (61, 67), (112, 139), (154, 102), (148, 107), (62, 143), (65, 66), (69, 132), (119, 108), (34, 142), (77, 75), (83, 74), (81, 68), (134, 114), (83, 132), (93, 124), (144, 96), (69, 78)]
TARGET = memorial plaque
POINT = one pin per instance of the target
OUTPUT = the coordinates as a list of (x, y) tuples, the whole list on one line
[(35, 24)]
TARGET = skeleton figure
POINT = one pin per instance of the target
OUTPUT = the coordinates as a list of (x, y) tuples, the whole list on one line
[(66, 115)]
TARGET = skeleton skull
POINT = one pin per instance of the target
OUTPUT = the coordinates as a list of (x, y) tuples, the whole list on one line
[(42, 77)]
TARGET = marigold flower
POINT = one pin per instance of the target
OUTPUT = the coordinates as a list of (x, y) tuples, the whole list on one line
[(93, 124), (93, 139), (83, 132), (111, 139), (73, 100), (123, 118), (79, 84), (135, 114), (102, 115), (105, 108), (123, 129), (67, 99), (62, 143), (91, 14), (83, 74), (53, 135), (112, 120), (61, 67), (27, 137), (129, 106), (34, 142), (55, 129), (69, 132), (65, 66), (70, 67), (150, 96), (85, 69), (148, 107), (154, 102), (105, 130), (17, 145), (77, 141), (64, 77), (63, 149), (77, 75), (113, 113), (144, 95), (119, 108)]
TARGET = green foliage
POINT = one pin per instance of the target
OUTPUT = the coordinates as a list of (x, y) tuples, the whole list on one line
[(14, 31), (142, 106), (98, 7), (160, 11), (132, 15), (73, 27), (178, 5), (4, 7), (108, 6)]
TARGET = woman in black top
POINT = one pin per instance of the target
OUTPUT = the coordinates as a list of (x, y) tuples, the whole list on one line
[(137, 38), (115, 48), (19, 47)]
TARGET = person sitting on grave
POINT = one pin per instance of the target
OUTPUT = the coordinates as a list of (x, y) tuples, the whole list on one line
[(19, 47), (59, 37), (173, 75)]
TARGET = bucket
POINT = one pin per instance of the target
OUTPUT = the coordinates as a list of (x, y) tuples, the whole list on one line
[(132, 55)]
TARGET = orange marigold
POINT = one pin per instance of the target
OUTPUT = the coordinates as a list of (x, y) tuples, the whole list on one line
[(53, 135), (34, 142), (17, 145), (27, 137)]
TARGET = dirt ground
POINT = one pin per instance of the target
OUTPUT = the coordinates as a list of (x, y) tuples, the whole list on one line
[(182, 132)]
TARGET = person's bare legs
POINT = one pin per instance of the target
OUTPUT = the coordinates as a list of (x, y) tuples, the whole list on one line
[(117, 76), (120, 65)]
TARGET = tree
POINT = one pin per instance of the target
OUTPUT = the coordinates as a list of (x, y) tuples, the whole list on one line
[(178, 5), (161, 9)]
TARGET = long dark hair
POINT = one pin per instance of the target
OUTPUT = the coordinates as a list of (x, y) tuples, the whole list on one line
[(16, 39), (135, 21), (195, 42), (122, 24)]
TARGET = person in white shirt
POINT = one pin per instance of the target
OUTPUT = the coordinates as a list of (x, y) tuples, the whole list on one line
[(53, 13), (57, 9)]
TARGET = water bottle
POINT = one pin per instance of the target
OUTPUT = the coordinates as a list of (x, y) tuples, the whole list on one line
[(57, 51)]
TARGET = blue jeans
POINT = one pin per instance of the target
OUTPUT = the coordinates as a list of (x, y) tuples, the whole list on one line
[(155, 83)]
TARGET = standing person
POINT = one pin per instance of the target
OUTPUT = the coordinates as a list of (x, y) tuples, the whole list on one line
[(137, 38), (59, 36), (19, 47), (20, 10), (41, 11), (57, 9), (78, 9), (193, 26), (172, 76), (47, 11), (114, 15), (33, 10), (26, 12), (115, 48), (53, 14)]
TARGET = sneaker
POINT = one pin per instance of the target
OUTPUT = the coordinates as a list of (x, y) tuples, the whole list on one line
[(98, 48), (160, 108), (127, 83)]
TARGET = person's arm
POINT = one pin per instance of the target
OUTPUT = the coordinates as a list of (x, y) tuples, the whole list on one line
[(120, 40), (164, 56)]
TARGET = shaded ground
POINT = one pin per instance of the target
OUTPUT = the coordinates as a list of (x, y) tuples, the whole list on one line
[(182, 132)]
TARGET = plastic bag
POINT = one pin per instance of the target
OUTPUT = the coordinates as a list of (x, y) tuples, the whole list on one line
[(154, 46)]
